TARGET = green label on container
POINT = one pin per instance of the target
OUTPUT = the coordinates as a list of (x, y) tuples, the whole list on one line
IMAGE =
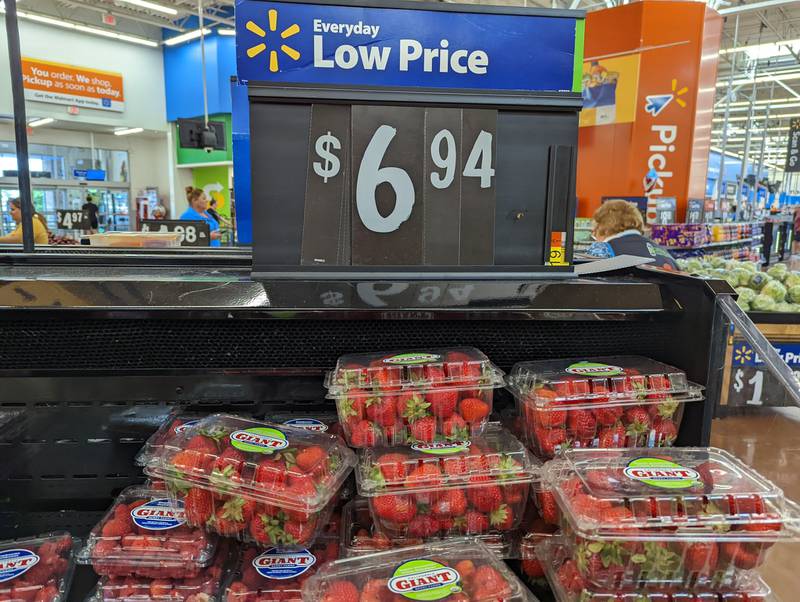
[(260, 440), (665, 474), (444, 448), (425, 580), (407, 359), (593, 369)]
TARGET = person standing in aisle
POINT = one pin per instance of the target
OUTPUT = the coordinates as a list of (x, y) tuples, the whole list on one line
[(40, 232), (619, 230), (92, 211), (198, 211)]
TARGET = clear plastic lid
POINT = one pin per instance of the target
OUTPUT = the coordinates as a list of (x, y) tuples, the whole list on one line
[(204, 587), (455, 569), (359, 535), (675, 494), (275, 574), (386, 373), (144, 530), (568, 586), (494, 456), (260, 461), (37, 568), (615, 380), (176, 424)]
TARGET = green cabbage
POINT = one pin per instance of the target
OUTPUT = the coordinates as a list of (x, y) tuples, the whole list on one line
[(748, 265), (694, 265), (792, 279), (774, 289), (746, 294), (717, 262), (783, 307), (794, 294), (740, 276), (763, 303), (744, 304), (758, 280), (779, 271)]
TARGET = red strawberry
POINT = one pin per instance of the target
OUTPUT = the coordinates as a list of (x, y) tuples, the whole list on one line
[(740, 555), (484, 498), (191, 461), (550, 440), (569, 577), (392, 467), (198, 506), (299, 532), (265, 529), (412, 406), (381, 409), (394, 508), (608, 416), (474, 410), (202, 444), (613, 437), (424, 429), (427, 475), (548, 507), (160, 588), (341, 591), (423, 525), (475, 523), (364, 434), (502, 518), (665, 431), (455, 428), (455, 465), (638, 420), (547, 411), (387, 378), (532, 568), (49, 593), (271, 473), (443, 402), (116, 528), (352, 406), (489, 584), (581, 423), (310, 458), (450, 503), (228, 465), (701, 557), (229, 518)]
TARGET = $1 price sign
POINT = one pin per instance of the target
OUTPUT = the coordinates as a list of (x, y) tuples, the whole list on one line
[(192, 233), (421, 181)]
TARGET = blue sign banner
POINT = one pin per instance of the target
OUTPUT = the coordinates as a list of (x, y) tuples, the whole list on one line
[(89, 174), (294, 43), (745, 355)]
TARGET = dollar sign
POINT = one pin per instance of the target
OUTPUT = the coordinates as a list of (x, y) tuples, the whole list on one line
[(330, 168), (738, 385)]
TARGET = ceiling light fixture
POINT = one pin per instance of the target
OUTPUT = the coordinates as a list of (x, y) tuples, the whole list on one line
[(39, 122), (126, 131), (226, 31), (152, 6), (185, 37)]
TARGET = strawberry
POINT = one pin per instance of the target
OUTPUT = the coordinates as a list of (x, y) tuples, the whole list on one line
[(547, 411), (443, 402), (265, 529), (608, 416), (374, 591), (202, 444), (502, 518), (116, 528), (613, 437), (450, 503), (387, 379), (198, 506), (160, 588), (353, 405), (229, 518), (489, 584), (532, 568), (298, 532), (381, 409), (740, 555), (475, 523), (423, 525), (550, 440), (455, 465), (390, 467), (49, 593), (191, 461), (485, 498), (455, 428), (701, 557), (412, 405), (427, 475), (310, 458), (474, 410), (394, 508), (434, 374), (581, 423), (270, 473), (548, 507), (638, 420), (228, 466), (364, 434), (341, 591), (424, 429), (569, 577), (665, 431)]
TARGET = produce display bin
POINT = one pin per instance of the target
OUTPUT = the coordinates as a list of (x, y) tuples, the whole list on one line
[(37, 568)]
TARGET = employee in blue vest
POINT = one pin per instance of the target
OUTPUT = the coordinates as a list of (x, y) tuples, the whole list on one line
[(198, 212), (619, 230)]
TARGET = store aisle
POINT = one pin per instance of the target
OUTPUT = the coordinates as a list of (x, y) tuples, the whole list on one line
[(769, 440)]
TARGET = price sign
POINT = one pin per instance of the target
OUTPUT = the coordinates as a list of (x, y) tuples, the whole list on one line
[(751, 384), (793, 147), (72, 219), (192, 233)]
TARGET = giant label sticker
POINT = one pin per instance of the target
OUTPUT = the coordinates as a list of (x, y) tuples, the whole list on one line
[(261, 440), (593, 369), (443, 448), (424, 580), (408, 359), (308, 424), (159, 515), (277, 564), (665, 474), (14, 563)]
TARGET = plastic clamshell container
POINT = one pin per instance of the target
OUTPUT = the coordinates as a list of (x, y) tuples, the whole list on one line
[(175, 425), (145, 534), (443, 570), (275, 574), (532, 532), (429, 491), (37, 568), (255, 481), (148, 240), (679, 517), (204, 587), (617, 401), (398, 398), (568, 586)]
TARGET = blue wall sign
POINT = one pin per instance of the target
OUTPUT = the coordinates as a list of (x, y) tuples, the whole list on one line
[(285, 42), (745, 355)]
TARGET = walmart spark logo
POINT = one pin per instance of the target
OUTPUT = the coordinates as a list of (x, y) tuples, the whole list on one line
[(655, 103), (290, 31), (742, 354)]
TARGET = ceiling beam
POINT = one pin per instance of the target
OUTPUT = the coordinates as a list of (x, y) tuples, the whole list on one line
[(754, 6), (122, 14)]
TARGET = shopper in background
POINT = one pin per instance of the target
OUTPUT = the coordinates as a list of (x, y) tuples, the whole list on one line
[(212, 210), (40, 233), (796, 242), (619, 230), (198, 212), (92, 211)]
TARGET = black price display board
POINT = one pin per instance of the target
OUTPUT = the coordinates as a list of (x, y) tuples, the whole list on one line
[(193, 233), (72, 219), (749, 382), (793, 147), (379, 145)]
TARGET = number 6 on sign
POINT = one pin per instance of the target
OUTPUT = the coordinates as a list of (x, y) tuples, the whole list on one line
[(371, 175)]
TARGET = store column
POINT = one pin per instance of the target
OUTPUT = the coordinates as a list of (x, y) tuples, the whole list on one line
[(648, 89)]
